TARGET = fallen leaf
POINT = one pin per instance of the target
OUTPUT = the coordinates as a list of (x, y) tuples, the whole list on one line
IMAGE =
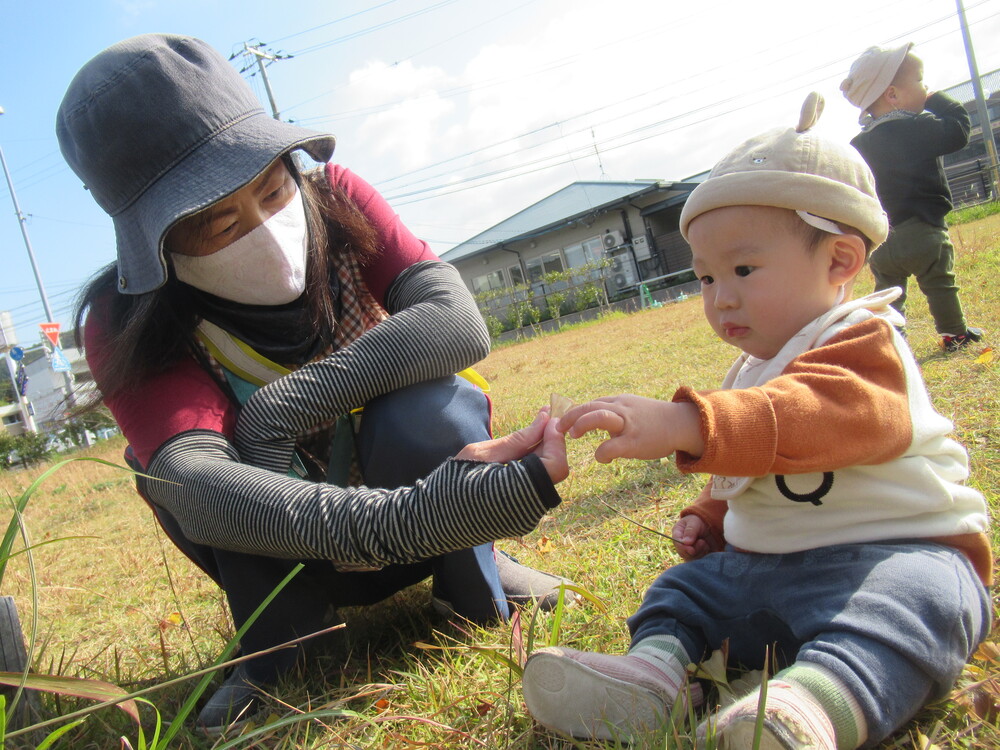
[(559, 405), (713, 668), (986, 357), (981, 699), (173, 620), (382, 705), (544, 544), (484, 708), (988, 651)]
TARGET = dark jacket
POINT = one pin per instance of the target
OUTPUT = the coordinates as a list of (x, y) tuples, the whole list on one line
[(905, 156)]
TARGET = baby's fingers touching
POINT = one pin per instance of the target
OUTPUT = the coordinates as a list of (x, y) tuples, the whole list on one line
[(609, 450), (595, 419)]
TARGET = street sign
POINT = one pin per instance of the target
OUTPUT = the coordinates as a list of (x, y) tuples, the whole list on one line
[(59, 361), (16, 353), (51, 330), (21, 379)]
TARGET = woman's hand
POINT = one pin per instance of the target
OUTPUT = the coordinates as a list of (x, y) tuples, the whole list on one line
[(542, 437), (692, 538), (637, 427)]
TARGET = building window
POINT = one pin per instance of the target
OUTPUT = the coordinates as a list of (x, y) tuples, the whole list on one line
[(516, 277), (588, 251), (488, 281), (538, 267)]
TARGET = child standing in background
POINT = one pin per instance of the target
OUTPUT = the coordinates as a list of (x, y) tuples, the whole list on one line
[(836, 534), (903, 145)]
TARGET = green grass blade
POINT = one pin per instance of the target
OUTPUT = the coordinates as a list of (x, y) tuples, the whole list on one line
[(22, 502), (287, 721), (51, 738), (78, 687), (189, 704)]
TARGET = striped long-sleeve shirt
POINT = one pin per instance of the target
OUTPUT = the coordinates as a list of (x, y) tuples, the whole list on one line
[(181, 426)]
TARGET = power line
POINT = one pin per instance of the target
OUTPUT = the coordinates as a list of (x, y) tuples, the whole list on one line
[(335, 21), (453, 186), (689, 80), (373, 28), (467, 30)]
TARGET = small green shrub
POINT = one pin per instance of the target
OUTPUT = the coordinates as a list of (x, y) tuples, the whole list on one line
[(973, 213)]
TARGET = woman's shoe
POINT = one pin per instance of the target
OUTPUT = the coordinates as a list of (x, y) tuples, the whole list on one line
[(524, 586), (238, 700)]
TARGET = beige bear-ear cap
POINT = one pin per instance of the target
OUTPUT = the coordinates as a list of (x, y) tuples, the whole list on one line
[(812, 108)]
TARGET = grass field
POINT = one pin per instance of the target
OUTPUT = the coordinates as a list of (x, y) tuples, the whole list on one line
[(117, 602)]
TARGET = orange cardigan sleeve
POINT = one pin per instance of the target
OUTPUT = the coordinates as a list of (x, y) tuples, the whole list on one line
[(842, 404)]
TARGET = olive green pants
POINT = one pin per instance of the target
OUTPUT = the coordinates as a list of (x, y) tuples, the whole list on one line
[(915, 248)]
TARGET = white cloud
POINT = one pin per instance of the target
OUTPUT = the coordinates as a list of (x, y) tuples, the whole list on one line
[(407, 132)]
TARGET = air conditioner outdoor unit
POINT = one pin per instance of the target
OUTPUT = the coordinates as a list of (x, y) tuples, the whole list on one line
[(613, 239), (621, 274)]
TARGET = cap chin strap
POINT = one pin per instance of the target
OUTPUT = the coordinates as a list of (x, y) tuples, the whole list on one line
[(819, 222)]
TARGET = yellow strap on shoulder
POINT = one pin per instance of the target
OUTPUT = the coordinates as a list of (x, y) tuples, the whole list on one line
[(475, 378), (242, 360), (238, 357)]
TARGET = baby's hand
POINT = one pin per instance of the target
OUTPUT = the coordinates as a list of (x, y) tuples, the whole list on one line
[(637, 427), (542, 437), (692, 538)]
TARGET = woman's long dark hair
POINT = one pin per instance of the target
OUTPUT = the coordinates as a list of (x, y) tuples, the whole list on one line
[(146, 333)]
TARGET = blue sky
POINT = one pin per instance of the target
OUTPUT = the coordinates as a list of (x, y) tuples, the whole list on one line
[(462, 112)]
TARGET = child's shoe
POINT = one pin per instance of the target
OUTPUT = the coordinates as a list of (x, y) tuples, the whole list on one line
[(792, 721), (954, 342), (600, 696)]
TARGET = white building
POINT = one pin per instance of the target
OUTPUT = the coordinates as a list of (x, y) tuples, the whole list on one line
[(45, 388), (630, 228)]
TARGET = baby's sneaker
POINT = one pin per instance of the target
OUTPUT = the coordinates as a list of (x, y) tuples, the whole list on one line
[(597, 696), (791, 722)]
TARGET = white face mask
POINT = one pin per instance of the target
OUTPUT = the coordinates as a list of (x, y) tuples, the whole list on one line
[(266, 266)]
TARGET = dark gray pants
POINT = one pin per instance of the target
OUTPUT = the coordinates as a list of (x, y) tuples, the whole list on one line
[(404, 435)]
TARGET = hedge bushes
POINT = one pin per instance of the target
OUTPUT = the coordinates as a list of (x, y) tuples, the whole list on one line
[(558, 293)]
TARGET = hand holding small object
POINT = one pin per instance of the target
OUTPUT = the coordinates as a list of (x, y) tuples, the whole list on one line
[(541, 437)]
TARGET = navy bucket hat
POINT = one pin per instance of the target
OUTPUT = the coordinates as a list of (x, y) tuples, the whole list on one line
[(159, 127)]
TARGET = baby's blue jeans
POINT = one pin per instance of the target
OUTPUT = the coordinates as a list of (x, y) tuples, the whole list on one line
[(895, 622)]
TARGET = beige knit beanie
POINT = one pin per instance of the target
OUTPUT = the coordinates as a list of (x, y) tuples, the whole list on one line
[(872, 73), (794, 168)]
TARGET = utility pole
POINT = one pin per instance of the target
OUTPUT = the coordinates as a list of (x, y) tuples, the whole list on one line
[(256, 51), (22, 222), (12, 353), (986, 126)]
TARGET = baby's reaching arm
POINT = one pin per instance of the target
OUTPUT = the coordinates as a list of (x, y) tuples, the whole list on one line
[(637, 427)]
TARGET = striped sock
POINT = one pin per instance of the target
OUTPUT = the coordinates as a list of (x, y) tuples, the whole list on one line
[(666, 654), (827, 690)]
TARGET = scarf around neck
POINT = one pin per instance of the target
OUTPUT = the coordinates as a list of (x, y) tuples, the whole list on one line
[(285, 333)]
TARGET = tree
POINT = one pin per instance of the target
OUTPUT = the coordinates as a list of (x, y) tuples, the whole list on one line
[(7, 393)]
